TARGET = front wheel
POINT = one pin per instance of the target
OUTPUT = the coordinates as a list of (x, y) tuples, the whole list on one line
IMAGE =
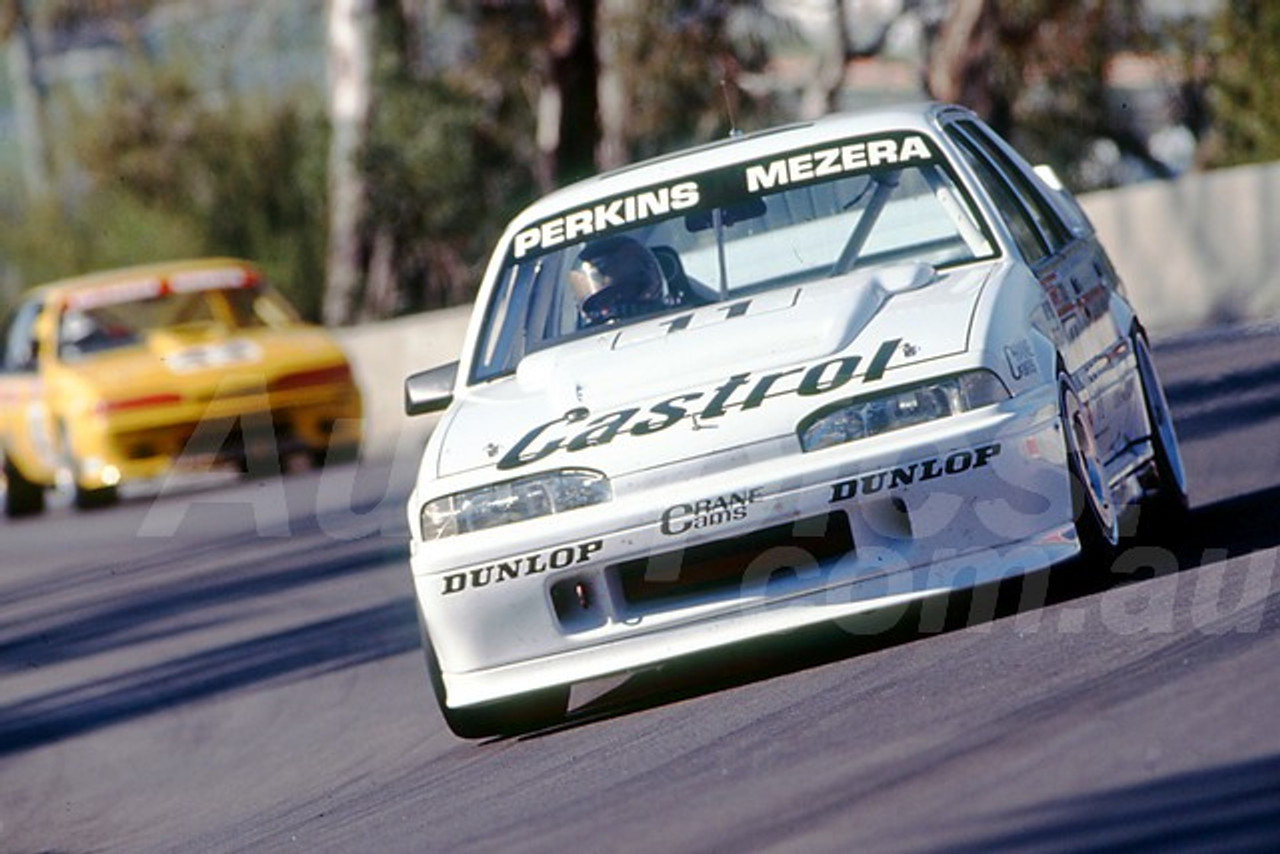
[(96, 499), (524, 713), (1092, 505), (22, 497), (335, 455)]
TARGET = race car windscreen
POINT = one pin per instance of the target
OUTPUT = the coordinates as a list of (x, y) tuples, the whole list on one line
[(726, 234), (100, 322)]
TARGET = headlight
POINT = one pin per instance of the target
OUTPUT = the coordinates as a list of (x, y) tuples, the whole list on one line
[(849, 420), (513, 501)]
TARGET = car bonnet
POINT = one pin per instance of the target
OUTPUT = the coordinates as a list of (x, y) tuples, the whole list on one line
[(728, 374)]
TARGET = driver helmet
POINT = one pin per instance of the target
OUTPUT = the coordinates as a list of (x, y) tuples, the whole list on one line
[(616, 278)]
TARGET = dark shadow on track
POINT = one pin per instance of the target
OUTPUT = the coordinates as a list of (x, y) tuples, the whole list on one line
[(1237, 387), (318, 647), (1228, 808), (130, 611), (167, 608)]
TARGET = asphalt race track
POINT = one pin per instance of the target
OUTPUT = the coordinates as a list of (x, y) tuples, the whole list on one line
[(234, 666)]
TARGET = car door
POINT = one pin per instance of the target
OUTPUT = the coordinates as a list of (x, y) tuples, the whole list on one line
[(1079, 284), (25, 423)]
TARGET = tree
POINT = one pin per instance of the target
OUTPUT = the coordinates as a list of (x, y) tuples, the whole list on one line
[(835, 51), (151, 167), (568, 105), (963, 66), (350, 25), (678, 72), (167, 172), (1036, 70), (29, 27), (454, 149), (30, 98), (450, 152), (1243, 95)]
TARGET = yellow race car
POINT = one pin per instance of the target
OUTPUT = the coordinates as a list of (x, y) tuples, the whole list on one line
[(123, 375)]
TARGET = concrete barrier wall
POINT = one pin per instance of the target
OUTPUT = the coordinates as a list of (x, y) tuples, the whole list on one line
[(1201, 250), (1204, 249), (383, 354)]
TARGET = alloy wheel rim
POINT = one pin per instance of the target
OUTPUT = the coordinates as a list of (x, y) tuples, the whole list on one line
[(1090, 469)]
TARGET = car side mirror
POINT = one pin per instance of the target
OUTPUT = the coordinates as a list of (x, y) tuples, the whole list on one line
[(430, 391)]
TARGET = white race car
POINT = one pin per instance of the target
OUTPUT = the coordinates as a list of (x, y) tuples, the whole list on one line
[(786, 378)]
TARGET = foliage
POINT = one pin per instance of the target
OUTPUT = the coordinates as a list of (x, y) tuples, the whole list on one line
[(108, 229), (168, 173), (452, 152), (1244, 97), (165, 167), (447, 160), (674, 55), (1036, 70), (503, 73), (440, 185)]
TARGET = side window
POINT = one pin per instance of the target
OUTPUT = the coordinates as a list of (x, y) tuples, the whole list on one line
[(1026, 235), (1047, 219), (19, 339)]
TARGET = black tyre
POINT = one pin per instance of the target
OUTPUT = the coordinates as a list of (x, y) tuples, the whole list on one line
[(525, 713), (85, 498), (335, 455), (1165, 508), (1092, 505), (21, 496), (96, 499)]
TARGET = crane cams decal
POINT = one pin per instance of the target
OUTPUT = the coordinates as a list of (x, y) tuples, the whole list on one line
[(740, 392), (709, 512), (513, 568), (1021, 358)]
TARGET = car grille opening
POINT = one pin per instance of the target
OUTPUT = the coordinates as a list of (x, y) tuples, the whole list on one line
[(723, 567)]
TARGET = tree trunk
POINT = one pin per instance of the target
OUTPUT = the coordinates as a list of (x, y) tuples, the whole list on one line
[(960, 61), (611, 152), (29, 104), (823, 93), (568, 106), (350, 59), (380, 292)]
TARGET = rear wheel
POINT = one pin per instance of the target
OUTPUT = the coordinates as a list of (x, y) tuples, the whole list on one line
[(1092, 505), (524, 713), (95, 499), (21, 496), (335, 455), (1168, 505)]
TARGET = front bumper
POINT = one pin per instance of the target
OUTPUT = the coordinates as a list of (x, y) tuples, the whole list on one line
[(764, 540), (147, 444)]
